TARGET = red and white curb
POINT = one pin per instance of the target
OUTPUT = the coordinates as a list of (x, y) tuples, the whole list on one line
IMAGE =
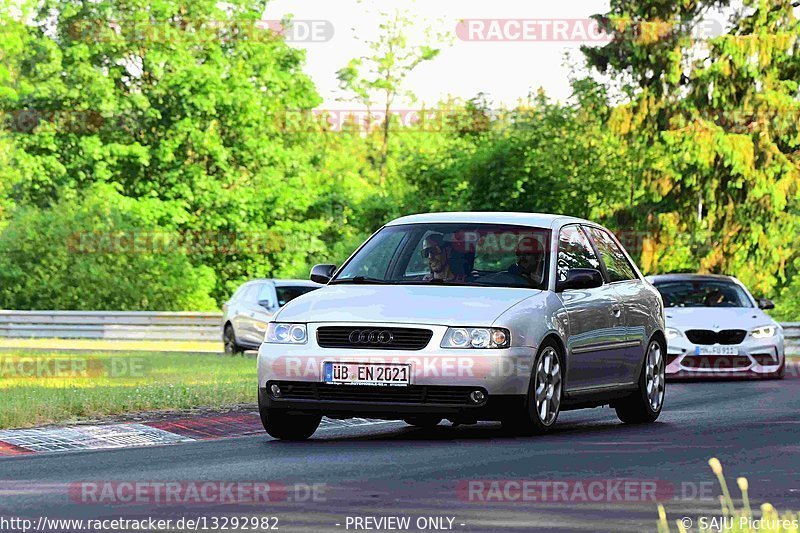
[(156, 433)]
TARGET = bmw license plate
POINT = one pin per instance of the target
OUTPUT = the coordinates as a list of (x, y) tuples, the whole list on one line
[(367, 374), (716, 350)]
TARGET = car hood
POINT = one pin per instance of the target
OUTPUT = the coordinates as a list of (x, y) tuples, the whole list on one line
[(716, 318), (416, 304)]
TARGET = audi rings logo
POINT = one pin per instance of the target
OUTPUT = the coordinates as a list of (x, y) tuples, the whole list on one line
[(371, 336)]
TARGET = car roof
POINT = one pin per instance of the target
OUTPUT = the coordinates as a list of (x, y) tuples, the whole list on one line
[(286, 282), (539, 220), (665, 278)]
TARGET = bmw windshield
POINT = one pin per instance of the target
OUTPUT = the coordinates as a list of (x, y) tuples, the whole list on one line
[(703, 294), (452, 254)]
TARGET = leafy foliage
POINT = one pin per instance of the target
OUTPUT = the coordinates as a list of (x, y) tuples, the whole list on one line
[(102, 252), (717, 119), (160, 117)]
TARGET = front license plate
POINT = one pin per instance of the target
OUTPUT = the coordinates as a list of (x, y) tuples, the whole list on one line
[(367, 374), (716, 350)]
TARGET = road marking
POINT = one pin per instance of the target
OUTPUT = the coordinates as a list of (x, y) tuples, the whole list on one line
[(89, 437), (156, 433)]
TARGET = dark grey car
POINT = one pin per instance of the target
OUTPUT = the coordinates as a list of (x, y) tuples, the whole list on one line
[(252, 306)]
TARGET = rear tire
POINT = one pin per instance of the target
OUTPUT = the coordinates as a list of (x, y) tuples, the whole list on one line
[(543, 402), (423, 421), (644, 405), (229, 341)]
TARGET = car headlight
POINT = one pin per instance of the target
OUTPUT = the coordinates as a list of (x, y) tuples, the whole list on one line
[(476, 338), (764, 332), (280, 333), (672, 333)]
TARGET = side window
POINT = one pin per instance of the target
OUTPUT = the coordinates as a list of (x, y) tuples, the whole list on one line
[(574, 251), (619, 269), (239, 294), (265, 293), (250, 294)]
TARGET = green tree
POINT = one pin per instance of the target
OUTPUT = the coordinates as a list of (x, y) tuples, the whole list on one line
[(378, 78), (716, 117), (540, 156), (182, 102), (104, 251)]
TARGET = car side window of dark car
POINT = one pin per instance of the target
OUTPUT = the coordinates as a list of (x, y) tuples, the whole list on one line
[(617, 265), (574, 251)]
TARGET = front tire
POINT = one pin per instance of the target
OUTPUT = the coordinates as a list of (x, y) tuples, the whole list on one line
[(543, 403), (423, 421), (781, 372), (229, 341), (287, 426), (644, 405)]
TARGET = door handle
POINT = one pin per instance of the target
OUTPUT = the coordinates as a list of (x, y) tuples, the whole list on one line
[(616, 311)]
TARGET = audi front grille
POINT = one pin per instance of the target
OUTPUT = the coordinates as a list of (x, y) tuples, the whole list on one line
[(709, 337), (373, 337)]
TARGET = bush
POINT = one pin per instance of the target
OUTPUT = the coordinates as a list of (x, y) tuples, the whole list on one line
[(78, 254)]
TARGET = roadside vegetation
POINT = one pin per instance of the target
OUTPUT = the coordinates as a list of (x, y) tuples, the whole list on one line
[(155, 164), (61, 387), (731, 519)]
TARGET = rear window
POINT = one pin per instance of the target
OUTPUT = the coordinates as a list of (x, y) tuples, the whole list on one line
[(288, 293)]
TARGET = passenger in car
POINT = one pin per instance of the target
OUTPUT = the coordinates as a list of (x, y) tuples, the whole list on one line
[(530, 261), (437, 251)]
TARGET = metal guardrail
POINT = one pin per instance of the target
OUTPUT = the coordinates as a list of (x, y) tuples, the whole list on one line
[(791, 333), (144, 325), (110, 325)]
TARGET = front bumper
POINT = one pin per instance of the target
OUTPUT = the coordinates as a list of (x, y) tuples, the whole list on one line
[(754, 358), (498, 373), (495, 407)]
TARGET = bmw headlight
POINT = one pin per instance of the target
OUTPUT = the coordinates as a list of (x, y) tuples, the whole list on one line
[(764, 332), (281, 333), (672, 333), (476, 338)]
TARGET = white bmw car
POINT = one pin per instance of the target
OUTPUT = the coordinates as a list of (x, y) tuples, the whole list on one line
[(715, 328)]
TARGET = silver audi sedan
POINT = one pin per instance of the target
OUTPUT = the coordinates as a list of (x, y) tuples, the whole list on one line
[(511, 317)]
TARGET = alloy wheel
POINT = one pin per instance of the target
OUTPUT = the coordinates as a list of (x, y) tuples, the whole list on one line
[(654, 376), (547, 386)]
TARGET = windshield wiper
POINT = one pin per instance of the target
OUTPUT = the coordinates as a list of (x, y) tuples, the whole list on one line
[(362, 280)]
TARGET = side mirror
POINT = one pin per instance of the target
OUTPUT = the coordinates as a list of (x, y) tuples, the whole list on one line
[(580, 278), (266, 304), (765, 303), (322, 273)]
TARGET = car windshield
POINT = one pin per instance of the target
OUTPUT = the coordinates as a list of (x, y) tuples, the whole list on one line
[(452, 254), (288, 293), (703, 293)]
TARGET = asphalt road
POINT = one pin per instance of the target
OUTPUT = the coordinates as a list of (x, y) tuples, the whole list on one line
[(390, 469)]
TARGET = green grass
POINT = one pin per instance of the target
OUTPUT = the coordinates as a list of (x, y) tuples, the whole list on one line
[(71, 387)]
